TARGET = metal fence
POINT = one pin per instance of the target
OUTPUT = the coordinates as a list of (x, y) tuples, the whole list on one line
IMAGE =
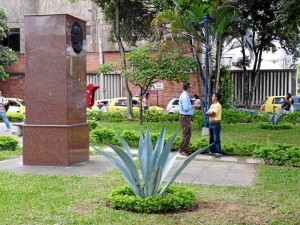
[(112, 87), (269, 82)]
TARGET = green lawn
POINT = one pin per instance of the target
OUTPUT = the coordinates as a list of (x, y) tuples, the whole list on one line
[(42, 199)]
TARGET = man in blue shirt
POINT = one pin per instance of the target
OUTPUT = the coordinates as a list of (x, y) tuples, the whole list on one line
[(186, 110)]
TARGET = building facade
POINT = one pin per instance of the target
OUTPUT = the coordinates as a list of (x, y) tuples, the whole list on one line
[(100, 50)]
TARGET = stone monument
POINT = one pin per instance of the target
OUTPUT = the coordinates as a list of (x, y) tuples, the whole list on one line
[(55, 131)]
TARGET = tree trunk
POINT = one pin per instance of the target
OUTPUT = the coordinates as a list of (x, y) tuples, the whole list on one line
[(200, 73), (255, 73), (218, 64), (123, 63), (245, 76)]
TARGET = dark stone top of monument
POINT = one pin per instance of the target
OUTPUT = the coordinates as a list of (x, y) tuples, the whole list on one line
[(76, 37)]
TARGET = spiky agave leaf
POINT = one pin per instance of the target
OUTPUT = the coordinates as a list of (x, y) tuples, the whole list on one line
[(126, 146), (131, 176), (158, 147), (181, 167)]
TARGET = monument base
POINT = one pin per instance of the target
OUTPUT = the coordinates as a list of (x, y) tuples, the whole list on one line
[(55, 145), (205, 131)]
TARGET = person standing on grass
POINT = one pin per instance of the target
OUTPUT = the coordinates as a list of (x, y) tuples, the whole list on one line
[(4, 102), (186, 110), (215, 113)]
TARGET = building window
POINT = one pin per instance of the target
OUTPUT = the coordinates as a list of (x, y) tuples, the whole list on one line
[(13, 39), (88, 30)]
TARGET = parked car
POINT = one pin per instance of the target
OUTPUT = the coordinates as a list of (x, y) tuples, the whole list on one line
[(276, 101), (173, 105), (16, 105), (101, 105), (120, 104), (296, 105)]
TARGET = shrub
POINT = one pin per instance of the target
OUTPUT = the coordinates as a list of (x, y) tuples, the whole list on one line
[(175, 198), (103, 136), (92, 124), (131, 137), (8, 143), (238, 148), (14, 117), (281, 154), (293, 118), (278, 126), (199, 143)]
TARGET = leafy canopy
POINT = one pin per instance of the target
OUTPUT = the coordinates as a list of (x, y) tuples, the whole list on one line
[(7, 56)]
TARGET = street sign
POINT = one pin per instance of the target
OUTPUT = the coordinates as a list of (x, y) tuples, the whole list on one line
[(158, 86)]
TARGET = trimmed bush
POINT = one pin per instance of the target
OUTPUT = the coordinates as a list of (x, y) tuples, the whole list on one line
[(293, 118), (281, 154), (8, 143), (103, 136), (176, 198), (14, 117), (92, 124), (278, 126)]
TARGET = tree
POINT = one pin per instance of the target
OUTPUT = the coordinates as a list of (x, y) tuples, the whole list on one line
[(7, 56), (130, 20), (262, 22), (151, 63), (183, 22)]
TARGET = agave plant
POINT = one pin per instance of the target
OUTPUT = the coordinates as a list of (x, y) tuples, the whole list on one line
[(155, 164), (275, 118)]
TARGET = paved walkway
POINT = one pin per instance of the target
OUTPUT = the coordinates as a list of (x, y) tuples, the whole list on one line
[(204, 169)]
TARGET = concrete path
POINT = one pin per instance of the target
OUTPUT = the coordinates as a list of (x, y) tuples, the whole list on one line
[(204, 169)]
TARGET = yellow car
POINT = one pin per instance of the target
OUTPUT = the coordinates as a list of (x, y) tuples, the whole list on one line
[(16, 105), (272, 104), (120, 104)]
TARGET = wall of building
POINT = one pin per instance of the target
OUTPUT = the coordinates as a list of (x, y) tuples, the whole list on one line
[(168, 92)]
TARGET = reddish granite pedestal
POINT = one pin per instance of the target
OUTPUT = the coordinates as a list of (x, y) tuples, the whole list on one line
[(55, 129)]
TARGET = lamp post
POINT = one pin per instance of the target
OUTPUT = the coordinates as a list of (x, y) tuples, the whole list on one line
[(100, 53), (206, 21)]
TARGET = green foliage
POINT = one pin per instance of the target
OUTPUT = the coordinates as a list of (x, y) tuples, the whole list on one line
[(236, 116), (270, 126), (92, 124), (14, 117), (131, 137), (240, 148), (102, 135), (281, 154), (176, 198), (155, 164), (293, 118), (226, 87), (8, 143), (7, 56)]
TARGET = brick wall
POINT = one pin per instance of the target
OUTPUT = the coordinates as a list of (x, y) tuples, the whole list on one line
[(169, 91), (14, 87)]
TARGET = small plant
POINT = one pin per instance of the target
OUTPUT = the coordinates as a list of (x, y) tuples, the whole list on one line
[(8, 143), (176, 198), (155, 164)]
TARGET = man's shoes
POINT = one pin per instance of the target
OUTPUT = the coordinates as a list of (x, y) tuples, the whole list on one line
[(7, 130), (184, 153), (211, 153), (217, 155)]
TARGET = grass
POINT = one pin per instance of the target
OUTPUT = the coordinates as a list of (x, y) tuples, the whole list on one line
[(245, 133), (45, 199), (56, 199)]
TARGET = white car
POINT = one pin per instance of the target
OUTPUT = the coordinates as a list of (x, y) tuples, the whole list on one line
[(173, 105), (101, 105)]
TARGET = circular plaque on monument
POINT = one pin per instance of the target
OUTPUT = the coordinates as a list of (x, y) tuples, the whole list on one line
[(76, 38)]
